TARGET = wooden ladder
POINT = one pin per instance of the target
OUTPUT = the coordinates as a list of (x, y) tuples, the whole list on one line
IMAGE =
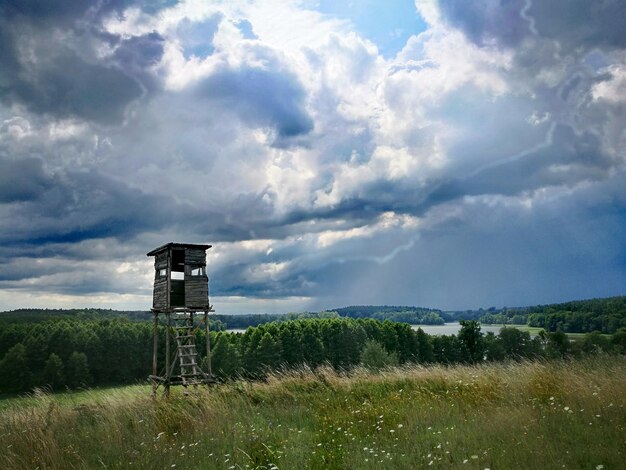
[(186, 353)]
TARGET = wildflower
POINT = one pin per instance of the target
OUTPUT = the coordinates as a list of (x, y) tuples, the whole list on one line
[(599, 467), (400, 425), (566, 408), (474, 457), (465, 461)]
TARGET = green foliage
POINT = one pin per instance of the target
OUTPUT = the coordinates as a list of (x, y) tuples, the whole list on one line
[(78, 375), (471, 340), (582, 316), (225, 358), (53, 373), (15, 375), (120, 351), (375, 357)]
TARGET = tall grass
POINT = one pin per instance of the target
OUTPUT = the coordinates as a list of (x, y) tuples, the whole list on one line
[(528, 415)]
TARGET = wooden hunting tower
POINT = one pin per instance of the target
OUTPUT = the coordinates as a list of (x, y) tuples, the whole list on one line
[(181, 290)]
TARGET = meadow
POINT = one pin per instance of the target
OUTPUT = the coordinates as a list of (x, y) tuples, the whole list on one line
[(535, 414)]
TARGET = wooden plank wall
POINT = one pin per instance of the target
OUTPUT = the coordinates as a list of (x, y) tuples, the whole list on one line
[(160, 260), (196, 291), (159, 296), (195, 257)]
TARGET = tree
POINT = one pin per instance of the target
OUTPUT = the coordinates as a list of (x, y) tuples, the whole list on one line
[(15, 375), (471, 340), (375, 357), (53, 374), (619, 341), (268, 353), (596, 342), (312, 347), (515, 343), (493, 347), (225, 359), (557, 344), (78, 370), (424, 347)]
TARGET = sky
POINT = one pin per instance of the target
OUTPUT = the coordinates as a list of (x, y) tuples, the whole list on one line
[(449, 154)]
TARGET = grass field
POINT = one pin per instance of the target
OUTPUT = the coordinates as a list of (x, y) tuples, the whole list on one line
[(528, 415), (534, 330)]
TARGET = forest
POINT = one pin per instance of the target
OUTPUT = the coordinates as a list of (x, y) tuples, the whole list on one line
[(411, 315), (78, 352), (606, 315)]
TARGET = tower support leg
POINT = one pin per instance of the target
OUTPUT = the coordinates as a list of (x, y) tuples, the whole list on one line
[(208, 344), (168, 374), (155, 340)]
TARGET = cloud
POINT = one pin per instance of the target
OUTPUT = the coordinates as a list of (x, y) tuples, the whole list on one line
[(57, 59), (481, 164), (260, 97), (22, 180)]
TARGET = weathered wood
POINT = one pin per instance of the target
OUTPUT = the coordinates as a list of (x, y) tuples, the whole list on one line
[(208, 343), (160, 294), (179, 299), (195, 257), (168, 371)]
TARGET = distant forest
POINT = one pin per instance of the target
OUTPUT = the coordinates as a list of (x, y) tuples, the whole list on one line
[(219, 322), (580, 316)]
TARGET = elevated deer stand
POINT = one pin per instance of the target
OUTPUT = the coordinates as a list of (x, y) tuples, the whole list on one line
[(181, 295)]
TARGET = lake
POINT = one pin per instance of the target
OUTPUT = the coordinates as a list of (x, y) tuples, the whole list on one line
[(445, 329), (452, 328)]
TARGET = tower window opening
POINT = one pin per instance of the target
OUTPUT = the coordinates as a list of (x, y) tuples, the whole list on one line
[(198, 271)]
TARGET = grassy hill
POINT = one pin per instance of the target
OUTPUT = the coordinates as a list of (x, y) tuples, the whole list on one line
[(506, 415)]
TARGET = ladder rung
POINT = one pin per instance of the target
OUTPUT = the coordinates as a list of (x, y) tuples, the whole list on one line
[(189, 355)]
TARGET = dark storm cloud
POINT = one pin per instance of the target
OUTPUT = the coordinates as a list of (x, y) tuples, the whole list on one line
[(485, 21), (574, 23), (76, 206), (22, 180), (91, 91), (140, 51), (578, 23), (568, 159), (59, 11), (261, 97), (49, 60)]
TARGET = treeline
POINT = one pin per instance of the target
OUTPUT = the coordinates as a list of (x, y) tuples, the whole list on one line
[(29, 315), (219, 322), (75, 353), (582, 316), (412, 315)]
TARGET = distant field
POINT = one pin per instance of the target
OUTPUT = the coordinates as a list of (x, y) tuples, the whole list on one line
[(506, 415), (534, 331), (531, 329)]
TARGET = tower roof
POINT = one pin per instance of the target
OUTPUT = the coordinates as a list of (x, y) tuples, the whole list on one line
[(170, 245)]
